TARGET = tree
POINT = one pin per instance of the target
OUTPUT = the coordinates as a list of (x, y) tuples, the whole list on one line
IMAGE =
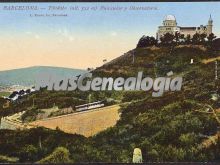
[(177, 37), (187, 140), (196, 38), (216, 44), (211, 37), (182, 37), (167, 39), (203, 37), (59, 155), (146, 41), (188, 39), (153, 155), (173, 153), (28, 153)]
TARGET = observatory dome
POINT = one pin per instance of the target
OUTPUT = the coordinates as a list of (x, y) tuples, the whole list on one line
[(169, 18)]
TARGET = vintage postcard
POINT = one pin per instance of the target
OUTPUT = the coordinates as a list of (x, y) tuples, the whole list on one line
[(122, 82)]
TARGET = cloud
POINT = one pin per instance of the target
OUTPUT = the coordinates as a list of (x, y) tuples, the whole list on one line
[(34, 35), (71, 38), (66, 34), (28, 33), (113, 34)]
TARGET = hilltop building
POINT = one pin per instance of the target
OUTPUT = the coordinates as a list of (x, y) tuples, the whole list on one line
[(170, 26)]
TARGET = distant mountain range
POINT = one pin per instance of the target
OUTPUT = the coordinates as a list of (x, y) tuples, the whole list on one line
[(26, 76)]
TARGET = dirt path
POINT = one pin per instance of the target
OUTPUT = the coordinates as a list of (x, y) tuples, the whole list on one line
[(206, 61), (212, 140)]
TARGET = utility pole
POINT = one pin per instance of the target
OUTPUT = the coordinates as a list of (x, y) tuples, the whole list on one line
[(215, 96), (155, 67), (40, 144), (133, 56), (90, 95), (216, 76), (216, 70), (33, 103)]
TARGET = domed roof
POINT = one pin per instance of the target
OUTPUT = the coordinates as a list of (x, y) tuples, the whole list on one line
[(169, 18)]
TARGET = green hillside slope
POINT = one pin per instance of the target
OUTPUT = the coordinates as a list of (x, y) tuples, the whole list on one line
[(178, 126)]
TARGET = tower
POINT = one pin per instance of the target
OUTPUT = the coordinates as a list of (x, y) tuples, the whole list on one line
[(169, 26), (169, 21), (210, 25)]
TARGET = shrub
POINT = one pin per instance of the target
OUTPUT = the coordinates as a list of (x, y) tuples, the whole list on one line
[(59, 155), (6, 159)]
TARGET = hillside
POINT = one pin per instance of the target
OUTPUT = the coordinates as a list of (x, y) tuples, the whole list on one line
[(178, 126), (174, 126), (26, 76)]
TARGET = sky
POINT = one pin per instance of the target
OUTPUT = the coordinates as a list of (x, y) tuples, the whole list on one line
[(83, 39)]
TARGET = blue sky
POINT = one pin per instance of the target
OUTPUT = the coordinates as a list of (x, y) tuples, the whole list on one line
[(116, 32), (187, 14)]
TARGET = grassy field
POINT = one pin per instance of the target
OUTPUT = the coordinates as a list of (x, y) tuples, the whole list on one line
[(85, 123)]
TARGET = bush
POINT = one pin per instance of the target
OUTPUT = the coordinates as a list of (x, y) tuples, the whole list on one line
[(146, 41), (216, 44), (6, 159), (28, 153), (59, 155)]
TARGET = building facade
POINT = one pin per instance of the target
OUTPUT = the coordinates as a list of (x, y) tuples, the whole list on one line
[(170, 26)]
